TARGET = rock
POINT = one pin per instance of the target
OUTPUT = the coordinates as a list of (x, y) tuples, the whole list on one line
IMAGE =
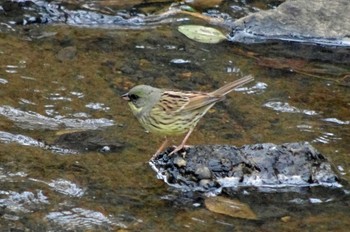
[(315, 21), (203, 4), (230, 207), (180, 162), (202, 172), (286, 218), (84, 141), (205, 183), (67, 53), (259, 165)]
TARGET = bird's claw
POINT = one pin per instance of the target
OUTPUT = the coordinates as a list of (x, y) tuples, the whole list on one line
[(178, 148)]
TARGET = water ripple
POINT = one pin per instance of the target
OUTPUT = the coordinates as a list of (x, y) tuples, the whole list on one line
[(77, 94), (326, 137), (32, 120), (7, 137), (8, 176), (258, 88), (180, 61), (14, 68), (97, 106), (3, 81), (305, 128), (337, 121), (286, 108), (25, 101), (67, 188), (79, 217), (20, 139), (22, 202), (62, 186)]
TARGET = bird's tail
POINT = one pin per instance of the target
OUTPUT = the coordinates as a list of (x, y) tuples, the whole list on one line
[(232, 85)]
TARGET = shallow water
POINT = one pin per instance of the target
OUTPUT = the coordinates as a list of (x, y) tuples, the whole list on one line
[(56, 79)]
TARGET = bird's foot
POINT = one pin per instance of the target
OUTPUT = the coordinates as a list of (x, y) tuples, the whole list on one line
[(178, 148)]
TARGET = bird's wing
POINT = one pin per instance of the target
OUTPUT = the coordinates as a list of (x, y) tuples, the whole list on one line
[(176, 102)]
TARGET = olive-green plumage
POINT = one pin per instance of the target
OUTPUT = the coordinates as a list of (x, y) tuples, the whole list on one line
[(170, 112)]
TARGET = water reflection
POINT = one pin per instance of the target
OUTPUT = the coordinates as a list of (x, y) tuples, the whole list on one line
[(336, 121), (24, 202), (25, 101), (83, 218), (30, 201), (64, 187), (97, 106), (58, 97), (258, 88), (326, 137), (32, 120), (7, 137), (3, 81), (287, 108)]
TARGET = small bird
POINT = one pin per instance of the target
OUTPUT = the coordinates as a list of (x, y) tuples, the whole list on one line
[(174, 112)]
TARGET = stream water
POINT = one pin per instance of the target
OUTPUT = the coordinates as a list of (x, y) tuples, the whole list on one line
[(57, 78)]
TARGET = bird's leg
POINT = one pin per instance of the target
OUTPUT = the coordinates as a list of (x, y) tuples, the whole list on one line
[(182, 145), (161, 148)]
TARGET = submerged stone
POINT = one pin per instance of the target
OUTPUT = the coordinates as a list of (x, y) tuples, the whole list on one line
[(67, 53), (230, 207), (92, 140), (213, 167)]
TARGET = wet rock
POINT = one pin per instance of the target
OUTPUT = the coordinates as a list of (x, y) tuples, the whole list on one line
[(10, 6), (213, 167), (286, 218), (202, 172), (67, 53), (75, 218), (180, 162), (84, 141), (203, 4), (315, 21), (205, 183), (230, 207)]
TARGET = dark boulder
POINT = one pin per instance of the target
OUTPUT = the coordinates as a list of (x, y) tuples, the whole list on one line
[(315, 21), (213, 167)]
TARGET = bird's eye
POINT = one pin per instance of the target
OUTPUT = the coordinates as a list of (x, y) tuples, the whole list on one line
[(133, 97)]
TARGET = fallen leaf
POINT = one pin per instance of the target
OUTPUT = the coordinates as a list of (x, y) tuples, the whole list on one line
[(202, 34)]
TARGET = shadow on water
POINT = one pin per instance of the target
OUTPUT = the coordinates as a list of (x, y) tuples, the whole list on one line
[(74, 158)]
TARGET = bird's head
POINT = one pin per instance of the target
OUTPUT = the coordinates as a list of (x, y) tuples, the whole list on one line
[(142, 98)]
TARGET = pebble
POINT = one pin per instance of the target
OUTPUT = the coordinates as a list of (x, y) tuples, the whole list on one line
[(285, 218), (205, 182), (203, 172), (67, 53), (180, 162), (230, 207)]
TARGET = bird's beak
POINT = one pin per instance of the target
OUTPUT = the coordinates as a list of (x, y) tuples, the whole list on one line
[(126, 97)]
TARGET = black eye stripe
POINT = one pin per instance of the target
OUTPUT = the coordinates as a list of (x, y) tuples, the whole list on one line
[(133, 97)]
